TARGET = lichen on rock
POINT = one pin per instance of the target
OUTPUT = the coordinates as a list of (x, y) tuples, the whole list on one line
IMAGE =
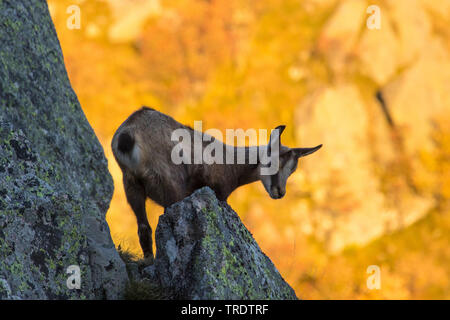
[(205, 252), (55, 187)]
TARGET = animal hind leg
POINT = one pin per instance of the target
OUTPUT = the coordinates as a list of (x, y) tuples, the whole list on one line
[(136, 198)]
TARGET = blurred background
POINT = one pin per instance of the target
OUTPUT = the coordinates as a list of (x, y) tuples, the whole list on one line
[(379, 100)]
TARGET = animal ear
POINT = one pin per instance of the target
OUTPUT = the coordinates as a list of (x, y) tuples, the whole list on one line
[(301, 152), (276, 133), (274, 140), (281, 128)]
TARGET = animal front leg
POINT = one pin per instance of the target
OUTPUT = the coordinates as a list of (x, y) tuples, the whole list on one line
[(136, 198), (145, 239)]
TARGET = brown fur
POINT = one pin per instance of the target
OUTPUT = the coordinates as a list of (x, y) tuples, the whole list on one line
[(151, 173)]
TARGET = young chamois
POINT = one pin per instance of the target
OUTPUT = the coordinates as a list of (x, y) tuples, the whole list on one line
[(143, 148)]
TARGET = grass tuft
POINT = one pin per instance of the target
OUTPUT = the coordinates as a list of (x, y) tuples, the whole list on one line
[(126, 255), (139, 288)]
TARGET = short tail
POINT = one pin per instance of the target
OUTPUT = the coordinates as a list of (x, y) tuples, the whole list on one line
[(125, 142), (126, 150)]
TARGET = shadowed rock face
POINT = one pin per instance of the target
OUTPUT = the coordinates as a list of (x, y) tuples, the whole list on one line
[(205, 252), (54, 184)]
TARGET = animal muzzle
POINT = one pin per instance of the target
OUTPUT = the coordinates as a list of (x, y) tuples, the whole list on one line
[(277, 192)]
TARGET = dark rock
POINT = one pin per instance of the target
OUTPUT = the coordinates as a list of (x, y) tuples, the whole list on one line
[(54, 183), (205, 252)]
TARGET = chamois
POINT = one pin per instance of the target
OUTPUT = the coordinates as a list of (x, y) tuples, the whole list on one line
[(143, 146)]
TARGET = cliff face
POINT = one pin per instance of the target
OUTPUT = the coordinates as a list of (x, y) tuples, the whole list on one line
[(205, 252), (54, 184)]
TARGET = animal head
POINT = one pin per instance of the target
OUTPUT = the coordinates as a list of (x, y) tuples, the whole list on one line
[(275, 184)]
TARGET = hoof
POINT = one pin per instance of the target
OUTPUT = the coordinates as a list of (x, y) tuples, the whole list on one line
[(147, 261)]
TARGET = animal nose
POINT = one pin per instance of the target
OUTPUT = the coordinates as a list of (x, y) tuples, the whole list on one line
[(277, 192)]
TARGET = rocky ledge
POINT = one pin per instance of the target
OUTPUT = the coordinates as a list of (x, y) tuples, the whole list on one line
[(205, 252)]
